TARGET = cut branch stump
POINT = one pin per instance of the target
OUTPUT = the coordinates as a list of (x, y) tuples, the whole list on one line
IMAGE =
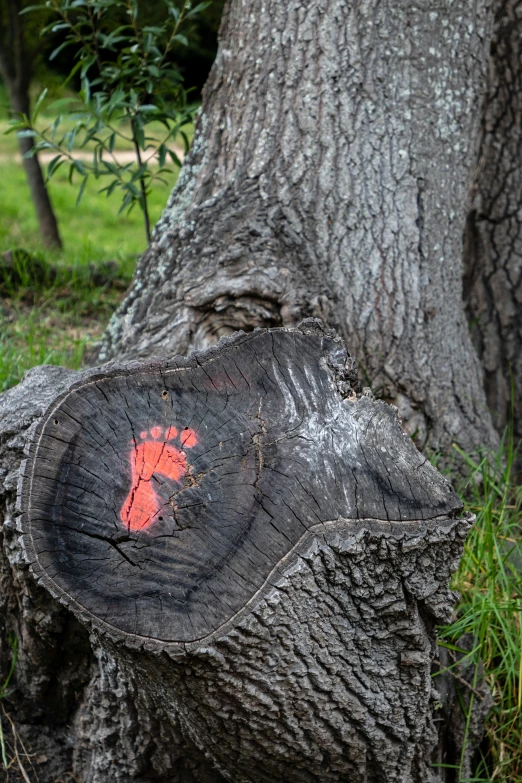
[(261, 549)]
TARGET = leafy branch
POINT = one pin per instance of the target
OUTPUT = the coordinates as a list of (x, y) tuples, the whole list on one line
[(129, 80)]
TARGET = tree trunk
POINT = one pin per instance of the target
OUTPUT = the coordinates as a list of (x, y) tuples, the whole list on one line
[(16, 72), (262, 587), (73, 707), (47, 222), (329, 176), (493, 254)]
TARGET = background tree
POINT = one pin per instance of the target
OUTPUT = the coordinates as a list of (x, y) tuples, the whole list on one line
[(18, 52), (128, 81)]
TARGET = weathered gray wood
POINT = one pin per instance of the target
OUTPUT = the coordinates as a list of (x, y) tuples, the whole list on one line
[(281, 616), (328, 177), (54, 657), (76, 712), (165, 544)]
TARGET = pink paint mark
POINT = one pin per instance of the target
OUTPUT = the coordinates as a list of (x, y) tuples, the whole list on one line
[(188, 438), (142, 505)]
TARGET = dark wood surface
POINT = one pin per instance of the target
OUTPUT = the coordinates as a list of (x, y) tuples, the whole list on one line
[(160, 498)]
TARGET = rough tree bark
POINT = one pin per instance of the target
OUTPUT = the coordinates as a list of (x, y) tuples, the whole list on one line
[(16, 70), (270, 598), (329, 176), (74, 709), (493, 249)]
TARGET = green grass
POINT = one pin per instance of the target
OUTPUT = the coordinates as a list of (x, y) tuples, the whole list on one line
[(41, 334), (55, 317), (13, 641), (92, 231), (489, 581), (55, 323)]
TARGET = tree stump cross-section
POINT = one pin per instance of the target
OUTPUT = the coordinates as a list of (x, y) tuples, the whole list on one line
[(166, 503)]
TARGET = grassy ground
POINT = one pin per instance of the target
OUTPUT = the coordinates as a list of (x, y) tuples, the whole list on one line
[(92, 232), (489, 581), (55, 323)]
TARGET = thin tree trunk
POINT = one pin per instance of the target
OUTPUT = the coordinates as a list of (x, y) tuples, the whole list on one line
[(329, 176), (493, 248), (16, 72), (47, 222)]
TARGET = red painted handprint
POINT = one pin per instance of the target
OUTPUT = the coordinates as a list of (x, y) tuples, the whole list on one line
[(142, 505)]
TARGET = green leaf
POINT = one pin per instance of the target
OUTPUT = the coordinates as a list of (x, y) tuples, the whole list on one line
[(68, 140), (139, 136), (111, 168), (38, 105), (108, 190), (174, 158), (198, 9), (15, 124), (60, 104), (90, 134), (186, 142), (30, 8), (40, 145), (160, 179), (181, 39), (162, 155), (141, 173), (174, 12), (58, 49), (54, 165), (86, 63), (79, 166), (82, 188)]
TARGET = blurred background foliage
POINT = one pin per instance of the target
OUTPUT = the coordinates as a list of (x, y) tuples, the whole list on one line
[(58, 317), (95, 228)]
